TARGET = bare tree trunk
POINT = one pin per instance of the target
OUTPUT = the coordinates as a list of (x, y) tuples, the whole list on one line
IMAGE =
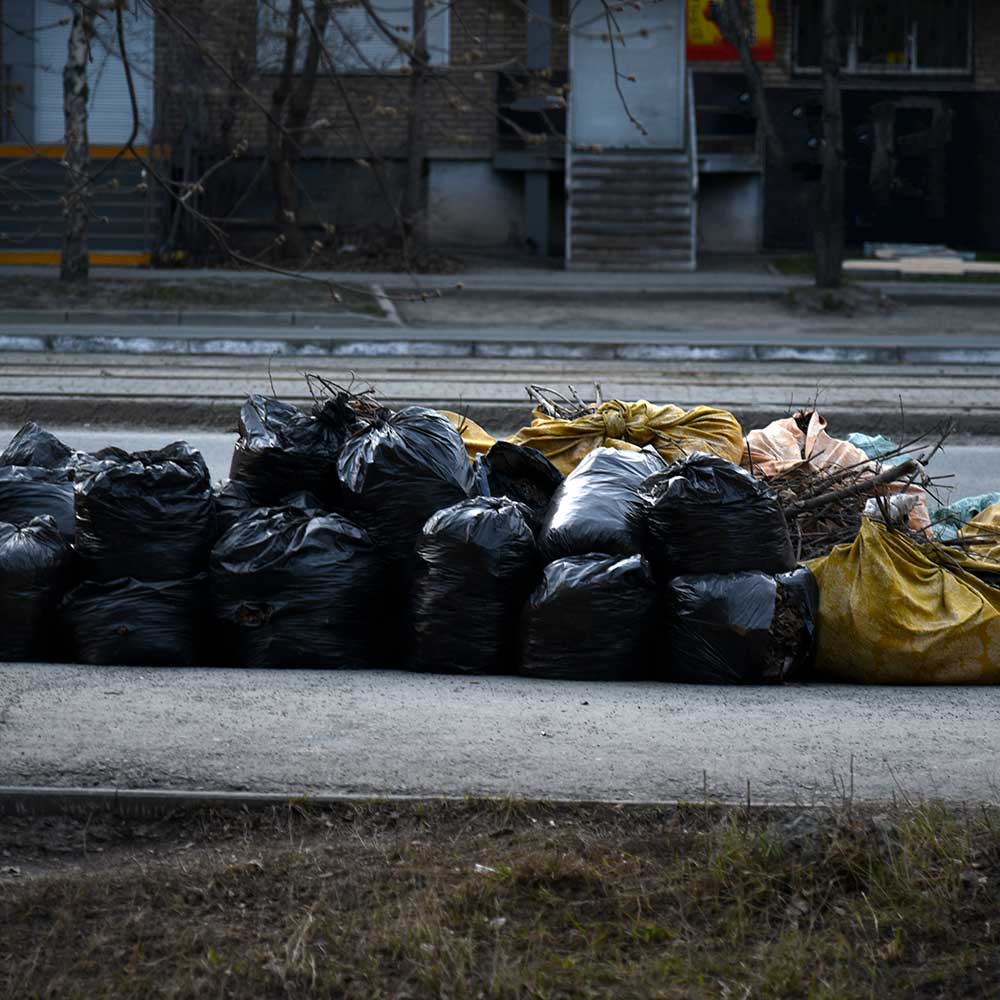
[(279, 153), (414, 199), (729, 16), (830, 217), (75, 263), (297, 94)]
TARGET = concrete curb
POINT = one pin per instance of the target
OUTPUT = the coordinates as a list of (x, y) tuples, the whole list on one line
[(486, 344), (961, 295), (499, 418), (146, 803), (193, 317)]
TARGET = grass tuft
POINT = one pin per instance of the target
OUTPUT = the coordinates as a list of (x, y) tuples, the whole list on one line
[(504, 899)]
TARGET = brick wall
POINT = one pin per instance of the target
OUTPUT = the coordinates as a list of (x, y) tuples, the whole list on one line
[(357, 115), (365, 114)]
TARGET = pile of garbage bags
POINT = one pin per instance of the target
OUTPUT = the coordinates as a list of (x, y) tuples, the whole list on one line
[(631, 543)]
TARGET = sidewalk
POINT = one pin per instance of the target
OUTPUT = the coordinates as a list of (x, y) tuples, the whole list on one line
[(493, 313), (392, 733), (738, 281)]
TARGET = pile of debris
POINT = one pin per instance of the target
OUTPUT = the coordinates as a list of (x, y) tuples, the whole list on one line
[(607, 540)]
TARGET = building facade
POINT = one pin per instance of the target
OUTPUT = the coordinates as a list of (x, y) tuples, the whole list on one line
[(622, 139)]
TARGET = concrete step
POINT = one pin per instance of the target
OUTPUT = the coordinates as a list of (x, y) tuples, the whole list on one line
[(630, 176), (635, 193), (628, 267), (629, 158), (622, 194), (630, 211), (599, 246), (655, 230)]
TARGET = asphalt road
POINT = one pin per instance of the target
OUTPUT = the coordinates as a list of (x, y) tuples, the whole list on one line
[(975, 466), (386, 733)]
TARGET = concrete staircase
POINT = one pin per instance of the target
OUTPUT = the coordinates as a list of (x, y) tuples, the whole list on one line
[(124, 227), (631, 210)]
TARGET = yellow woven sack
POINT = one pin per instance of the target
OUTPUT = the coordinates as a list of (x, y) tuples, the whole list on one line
[(630, 426), (985, 527), (894, 612), (477, 441)]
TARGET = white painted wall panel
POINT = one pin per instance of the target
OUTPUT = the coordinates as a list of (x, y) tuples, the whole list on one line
[(110, 109)]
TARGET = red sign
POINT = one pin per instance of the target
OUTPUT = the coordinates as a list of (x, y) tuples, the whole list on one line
[(706, 44)]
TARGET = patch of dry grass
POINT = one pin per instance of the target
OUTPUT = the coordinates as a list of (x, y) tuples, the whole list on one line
[(485, 899), (227, 291)]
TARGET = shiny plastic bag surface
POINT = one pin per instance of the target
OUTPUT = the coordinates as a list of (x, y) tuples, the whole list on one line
[(35, 570), (706, 515), (148, 515), (136, 623), (396, 472), (477, 564), (27, 492), (282, 449), (741, 627), (294, 590), (590, 510), (34, 446), (518, 473), (591, 618)]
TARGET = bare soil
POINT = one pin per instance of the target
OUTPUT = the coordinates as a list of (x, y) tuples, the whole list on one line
[(494, 899), (228, 291)]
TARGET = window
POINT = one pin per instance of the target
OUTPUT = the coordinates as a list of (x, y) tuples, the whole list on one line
[(890, 36), (354, 39)]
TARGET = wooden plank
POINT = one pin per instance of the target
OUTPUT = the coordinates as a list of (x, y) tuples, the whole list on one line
[(924, 265)]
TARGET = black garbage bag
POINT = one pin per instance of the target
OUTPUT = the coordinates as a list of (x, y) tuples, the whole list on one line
[(590, 618), (403, 467), (282, 448), (137, 623), (149, 515), (33, 446), (293, 590), (477, 566), (35, 571), (742, 627), (27, 492), (706, 515), (520, 473), (234, 501), (590, 510)]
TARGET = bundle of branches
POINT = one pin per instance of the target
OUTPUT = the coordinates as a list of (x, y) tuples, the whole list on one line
[(562, 407), (980, 542), (824, 507), (359, 394)]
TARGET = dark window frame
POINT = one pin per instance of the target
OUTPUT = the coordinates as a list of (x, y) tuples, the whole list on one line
[(852, 66)]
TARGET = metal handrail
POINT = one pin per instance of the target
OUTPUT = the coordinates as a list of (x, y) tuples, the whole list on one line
[(692, 125), (693, 166)]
